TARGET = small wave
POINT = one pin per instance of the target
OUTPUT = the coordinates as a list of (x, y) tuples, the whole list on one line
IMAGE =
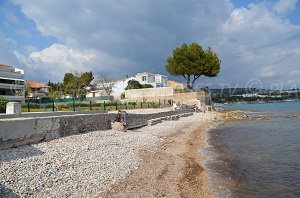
[(256, 112), (210, 157)]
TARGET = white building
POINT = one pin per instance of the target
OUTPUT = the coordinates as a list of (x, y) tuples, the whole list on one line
[(12, 86), (36, 90), (119, 87), (156, 80), (161, 80)]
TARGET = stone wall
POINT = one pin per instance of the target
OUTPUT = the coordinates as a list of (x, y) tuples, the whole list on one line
[(26, 130), (134, 120), (149, 94), (164, 94), (19, 131)]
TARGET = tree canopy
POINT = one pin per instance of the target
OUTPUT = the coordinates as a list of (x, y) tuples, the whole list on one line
[(192, 61), (55, 90), (74, 83), (134, 84)]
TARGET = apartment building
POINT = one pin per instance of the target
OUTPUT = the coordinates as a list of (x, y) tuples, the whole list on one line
[(12, 86)]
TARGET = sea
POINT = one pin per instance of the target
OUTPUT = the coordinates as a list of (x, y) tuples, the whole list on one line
[(256, 158)]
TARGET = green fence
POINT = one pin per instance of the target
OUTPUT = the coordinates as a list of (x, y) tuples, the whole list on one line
[(84, 105), (69, 100)]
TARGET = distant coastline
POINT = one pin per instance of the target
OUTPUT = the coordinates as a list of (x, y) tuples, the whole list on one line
[(258, 102)]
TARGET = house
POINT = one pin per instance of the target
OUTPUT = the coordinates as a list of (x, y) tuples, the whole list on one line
[(36, 90), (118, 86), (156, 80), (175, 85), (96, 93), (12, 85)]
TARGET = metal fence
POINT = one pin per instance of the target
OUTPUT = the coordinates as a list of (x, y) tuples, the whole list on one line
[(68, 100), (84, 105)]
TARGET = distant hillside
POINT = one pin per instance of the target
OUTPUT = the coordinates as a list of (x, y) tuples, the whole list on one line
[(252, 95)]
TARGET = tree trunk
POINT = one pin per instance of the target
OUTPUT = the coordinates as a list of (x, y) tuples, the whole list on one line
[(188, 82), (195, 78)]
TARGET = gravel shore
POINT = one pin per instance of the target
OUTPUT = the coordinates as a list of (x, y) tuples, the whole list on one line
[(85, 165)]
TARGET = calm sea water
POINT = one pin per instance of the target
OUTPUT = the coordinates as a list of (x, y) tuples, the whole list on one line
[(256, 158)]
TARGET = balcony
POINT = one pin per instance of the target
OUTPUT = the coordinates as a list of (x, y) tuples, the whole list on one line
[(10, 86), (15, 75), (14, 98)]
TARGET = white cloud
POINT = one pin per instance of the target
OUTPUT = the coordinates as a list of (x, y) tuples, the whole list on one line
[(53, 62), (256, 43), (140, 32), (130, 36), (285, 6)]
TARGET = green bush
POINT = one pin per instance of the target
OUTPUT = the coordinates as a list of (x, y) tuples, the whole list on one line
[(3, 103), (131, 103), (181, 90)]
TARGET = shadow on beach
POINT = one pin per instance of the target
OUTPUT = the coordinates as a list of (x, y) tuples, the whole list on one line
[(19, 153), (6, 192)]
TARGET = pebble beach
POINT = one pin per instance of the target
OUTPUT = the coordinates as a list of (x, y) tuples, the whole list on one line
[(91, 164)]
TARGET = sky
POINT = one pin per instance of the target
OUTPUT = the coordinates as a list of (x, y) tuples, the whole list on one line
[(258, 41)]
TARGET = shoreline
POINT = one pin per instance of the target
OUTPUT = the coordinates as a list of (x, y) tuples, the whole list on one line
[(174, 167)]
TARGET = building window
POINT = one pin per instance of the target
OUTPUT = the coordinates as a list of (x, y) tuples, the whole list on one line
[(152, 79), (144, 78)]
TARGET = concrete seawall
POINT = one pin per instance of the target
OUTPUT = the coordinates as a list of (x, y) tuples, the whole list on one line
[(27, 130)]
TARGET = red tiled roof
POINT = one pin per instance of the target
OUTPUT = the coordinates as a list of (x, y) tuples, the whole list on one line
[(32, 84), (3, 65)]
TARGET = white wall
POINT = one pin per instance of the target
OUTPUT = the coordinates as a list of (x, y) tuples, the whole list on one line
[(156, 80), (119, 87), (161, 80)]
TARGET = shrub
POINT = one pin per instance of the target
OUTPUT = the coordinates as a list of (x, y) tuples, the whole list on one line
[(3, 103), (131, 103), (181, 90)]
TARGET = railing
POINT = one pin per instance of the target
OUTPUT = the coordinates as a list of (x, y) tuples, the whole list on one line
[(85, 106), (11, 86), (8, 74), (13, 98), (48, 100)]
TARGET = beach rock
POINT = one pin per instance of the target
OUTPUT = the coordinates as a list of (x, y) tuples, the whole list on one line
[(117, 126), (293, 116)]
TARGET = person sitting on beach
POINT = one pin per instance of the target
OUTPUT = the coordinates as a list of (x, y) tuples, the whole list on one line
[(121, 116), (118, 116)]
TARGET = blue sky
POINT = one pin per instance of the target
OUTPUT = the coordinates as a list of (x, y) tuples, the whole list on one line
[(257, 41), (15, 25)]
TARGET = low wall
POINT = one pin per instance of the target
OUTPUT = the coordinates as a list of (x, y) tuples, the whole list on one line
[(19, 131), (149, 94), (45, 114), (142, 119), (164, 94)]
